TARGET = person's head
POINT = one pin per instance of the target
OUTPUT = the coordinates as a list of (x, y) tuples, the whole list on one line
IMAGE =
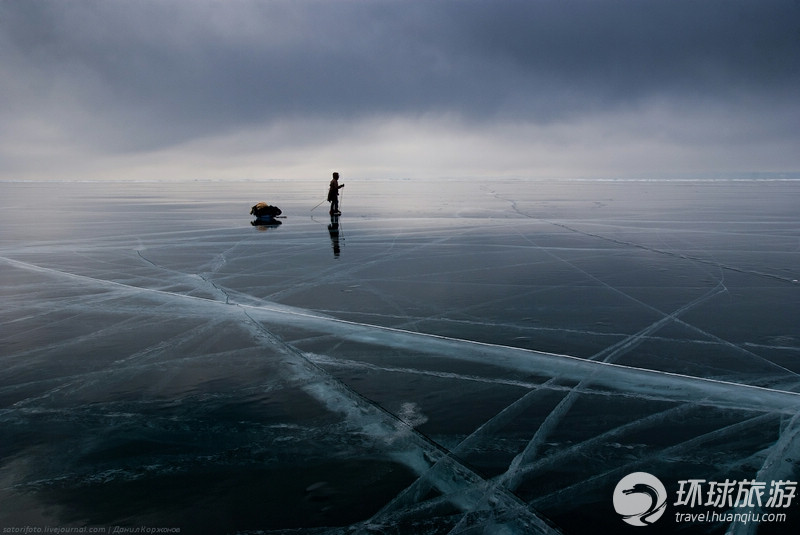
[(336, 176)]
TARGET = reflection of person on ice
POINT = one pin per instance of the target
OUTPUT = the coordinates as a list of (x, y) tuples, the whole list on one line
[(333, 230), (333, 194)]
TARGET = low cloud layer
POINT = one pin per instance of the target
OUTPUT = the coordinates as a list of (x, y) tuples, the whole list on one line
[(248, 89)]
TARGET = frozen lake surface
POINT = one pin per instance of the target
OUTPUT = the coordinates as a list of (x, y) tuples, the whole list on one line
[(449, 356)]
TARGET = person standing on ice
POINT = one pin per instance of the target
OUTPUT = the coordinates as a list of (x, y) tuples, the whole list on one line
[(333, 194)]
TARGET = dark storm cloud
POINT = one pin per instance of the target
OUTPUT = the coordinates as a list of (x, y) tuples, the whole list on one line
[(140, 75), (623, 50)]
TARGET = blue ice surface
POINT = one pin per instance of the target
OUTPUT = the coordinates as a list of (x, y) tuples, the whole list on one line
[(448, 356)]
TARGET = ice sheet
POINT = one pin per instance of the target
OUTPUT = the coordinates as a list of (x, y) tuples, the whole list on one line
[(449, 356)]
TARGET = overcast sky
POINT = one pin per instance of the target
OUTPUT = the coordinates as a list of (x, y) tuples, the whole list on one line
[(199, 89)]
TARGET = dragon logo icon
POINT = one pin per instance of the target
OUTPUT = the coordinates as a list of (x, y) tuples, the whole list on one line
[(640, 499)]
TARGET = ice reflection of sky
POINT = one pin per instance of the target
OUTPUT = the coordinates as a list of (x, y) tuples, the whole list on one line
[(476, 356)]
